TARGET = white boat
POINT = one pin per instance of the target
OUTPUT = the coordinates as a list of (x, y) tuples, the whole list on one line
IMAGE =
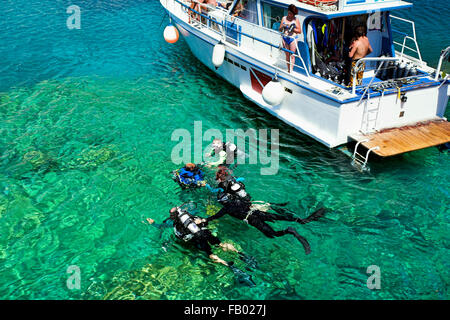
[(398, 107)]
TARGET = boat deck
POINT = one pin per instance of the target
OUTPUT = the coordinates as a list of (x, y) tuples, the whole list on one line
[(408, 138)]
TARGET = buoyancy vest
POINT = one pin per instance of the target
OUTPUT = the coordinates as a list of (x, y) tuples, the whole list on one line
[(189, 177)]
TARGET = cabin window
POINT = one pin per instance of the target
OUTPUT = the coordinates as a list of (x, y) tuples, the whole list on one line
[(246, 10), (272, 15)]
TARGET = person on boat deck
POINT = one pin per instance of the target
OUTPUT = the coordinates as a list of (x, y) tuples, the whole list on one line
[(225, 4), (226, 151), (237, 203), (201, 6), (239, 9), (191, 174), (359, 48), (188, 230), (291, 29)]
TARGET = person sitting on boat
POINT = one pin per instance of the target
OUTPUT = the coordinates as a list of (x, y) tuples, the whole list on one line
[(359, 48), (237, 203), (291, 29), (189, 176), (226, 151)]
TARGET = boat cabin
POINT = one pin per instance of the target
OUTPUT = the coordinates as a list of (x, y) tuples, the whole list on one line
[(327, 32)]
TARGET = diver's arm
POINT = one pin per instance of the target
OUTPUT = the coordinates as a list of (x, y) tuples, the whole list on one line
[(164, 224), (214, 190), (221, 160), (219, 214), (216, 259)]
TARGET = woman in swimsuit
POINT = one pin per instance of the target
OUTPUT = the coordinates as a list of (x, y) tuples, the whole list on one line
[(290, 27)]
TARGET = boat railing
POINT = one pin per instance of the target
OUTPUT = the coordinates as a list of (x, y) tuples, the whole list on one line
[(406, 37), (251, 34), (445, 54)]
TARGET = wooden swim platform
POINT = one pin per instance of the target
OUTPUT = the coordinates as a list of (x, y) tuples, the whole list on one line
[(395, 141)]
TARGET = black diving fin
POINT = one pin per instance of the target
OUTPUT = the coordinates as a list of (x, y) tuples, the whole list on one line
[(316, 215), (241, 276), (248, 260)]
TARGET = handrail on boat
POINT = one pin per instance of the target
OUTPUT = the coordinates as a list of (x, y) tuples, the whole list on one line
[(444, 54), (245, 34), (407, 37), (368, 59)]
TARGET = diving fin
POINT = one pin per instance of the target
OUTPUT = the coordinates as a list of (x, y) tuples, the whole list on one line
[(248, 260), (303, 240), (316, 215), (241, 276)]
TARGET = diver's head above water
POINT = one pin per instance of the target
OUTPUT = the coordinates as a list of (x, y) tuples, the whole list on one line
[(223, 173), (173, 213), (190, 166)]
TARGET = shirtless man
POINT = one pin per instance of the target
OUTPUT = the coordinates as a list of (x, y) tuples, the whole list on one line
[(359, 48)]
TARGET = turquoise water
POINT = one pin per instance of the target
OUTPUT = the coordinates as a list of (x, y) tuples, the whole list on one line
[(85, 144)]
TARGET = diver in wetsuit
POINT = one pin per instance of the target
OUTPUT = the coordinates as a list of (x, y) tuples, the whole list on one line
[(188, 230), (226, 151), (237, 203), (189, 176)]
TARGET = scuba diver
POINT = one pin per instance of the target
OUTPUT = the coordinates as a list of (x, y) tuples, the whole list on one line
[(188, 228), (237, 203), (189, 176), (227, 153)]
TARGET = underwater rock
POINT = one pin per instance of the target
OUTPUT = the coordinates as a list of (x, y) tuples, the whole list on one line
[(93, 157), (212, 209), (39, 161)]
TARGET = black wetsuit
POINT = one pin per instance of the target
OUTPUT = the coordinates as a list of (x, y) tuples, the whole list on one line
[(240, 208), (203, 239)]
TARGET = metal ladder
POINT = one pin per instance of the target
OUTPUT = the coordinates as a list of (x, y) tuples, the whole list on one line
[(370, 117), (359, 160)]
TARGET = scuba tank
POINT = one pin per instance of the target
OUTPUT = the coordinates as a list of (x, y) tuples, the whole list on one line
[(390, 71), (384, 70), (401, 70), (395, 73), (407, 70), (186, 220), (238, 189)]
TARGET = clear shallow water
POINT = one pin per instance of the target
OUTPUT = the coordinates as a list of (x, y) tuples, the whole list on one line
[(86, 121)]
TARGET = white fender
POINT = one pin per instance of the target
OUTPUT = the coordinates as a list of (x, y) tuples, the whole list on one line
[(273, 93), (218, 54), (171, 34)]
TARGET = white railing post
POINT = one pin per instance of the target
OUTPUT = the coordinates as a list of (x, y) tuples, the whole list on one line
[(444, 54)]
